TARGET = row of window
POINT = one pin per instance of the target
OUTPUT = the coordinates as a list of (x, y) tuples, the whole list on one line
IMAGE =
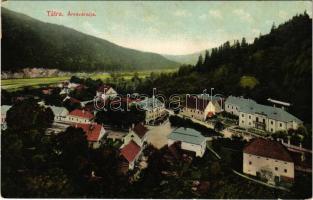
[(276, 168), (257, 119), (232, 107)]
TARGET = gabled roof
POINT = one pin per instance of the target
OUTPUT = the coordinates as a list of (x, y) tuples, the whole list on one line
[(271, 112), (187, 135), (194, 102), (81, 113), (268, 149), (103, 88), (150, 103), (92, 131), (239, 101), (140, 130), (130, 151), (4, 109)]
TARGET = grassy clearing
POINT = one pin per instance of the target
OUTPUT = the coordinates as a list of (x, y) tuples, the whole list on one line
[(16, 84)]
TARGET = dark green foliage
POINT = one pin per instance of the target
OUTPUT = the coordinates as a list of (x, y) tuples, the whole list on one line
[(28, 114), (280, 61), (185, 122), (27, 42), (122, 118)]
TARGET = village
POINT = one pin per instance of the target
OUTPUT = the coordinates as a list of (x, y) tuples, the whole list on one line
[(273, 151)]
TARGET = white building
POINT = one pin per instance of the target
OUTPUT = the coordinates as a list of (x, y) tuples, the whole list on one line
[(60, 113), (233, 104), (106, 92), (130, 154), (267, 118), (200, 108), (4, 110), (190, 139), (79, 116), (153, 108), (137, 134), (269, 160)]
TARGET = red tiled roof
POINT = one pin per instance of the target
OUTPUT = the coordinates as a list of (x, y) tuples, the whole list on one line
[(81, 113), (92, 131), (196, 103), (103, 88), (268, 149), (140, 130), (130, 151)]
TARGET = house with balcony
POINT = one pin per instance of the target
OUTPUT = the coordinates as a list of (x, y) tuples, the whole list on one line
[(268, 160), (267, 118)]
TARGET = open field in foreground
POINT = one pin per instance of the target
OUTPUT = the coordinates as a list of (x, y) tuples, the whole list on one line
[(15, 84)]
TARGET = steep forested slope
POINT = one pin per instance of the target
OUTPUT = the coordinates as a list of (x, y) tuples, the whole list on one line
[(276, 65), (27, 42)]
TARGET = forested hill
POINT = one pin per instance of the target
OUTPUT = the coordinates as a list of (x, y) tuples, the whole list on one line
[(277, 65), (27, 42)]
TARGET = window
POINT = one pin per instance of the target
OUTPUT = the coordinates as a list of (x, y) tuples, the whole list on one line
[(250, 163), (271, 130), (232, 107), (249, 123), (272, 122), (285, 170), (276, 168), (242, 121), (264, 121), (243, 115), (228, 106), (249, 116), (280, 124), (256, 119)]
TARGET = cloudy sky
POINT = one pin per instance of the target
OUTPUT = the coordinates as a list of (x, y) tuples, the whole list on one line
[(168, 27)]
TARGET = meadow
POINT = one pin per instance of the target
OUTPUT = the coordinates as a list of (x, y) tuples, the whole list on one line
[(19, 83)]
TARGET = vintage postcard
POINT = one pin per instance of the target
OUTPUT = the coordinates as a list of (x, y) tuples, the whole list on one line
[(156, 99)]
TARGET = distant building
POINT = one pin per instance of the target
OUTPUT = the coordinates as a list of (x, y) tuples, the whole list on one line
[(94, 133), (153, 108), (79, 116), (200, 108), (60, 113), (233, 104), (269, 160), (4, 110), (190, 139), (130, 154), (106, 92), (267, 118), (137, 134)]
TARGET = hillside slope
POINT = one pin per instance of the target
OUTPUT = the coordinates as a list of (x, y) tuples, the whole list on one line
[(27, 42), (277, 65)]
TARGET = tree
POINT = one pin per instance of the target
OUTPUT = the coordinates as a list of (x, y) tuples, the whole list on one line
[(28, 114)]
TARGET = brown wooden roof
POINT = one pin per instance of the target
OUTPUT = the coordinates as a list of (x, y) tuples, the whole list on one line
[(268, 149)]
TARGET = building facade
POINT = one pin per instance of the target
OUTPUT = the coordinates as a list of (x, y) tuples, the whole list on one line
[(233, 104), (79, 116), (60, 113), (268, 160), (137, 134), (153, 108), (267, 118), (190, 139)]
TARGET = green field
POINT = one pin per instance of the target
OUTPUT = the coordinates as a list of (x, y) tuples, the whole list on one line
[(16, 84)]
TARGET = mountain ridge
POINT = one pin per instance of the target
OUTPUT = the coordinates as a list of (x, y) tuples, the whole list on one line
[(28, 42)]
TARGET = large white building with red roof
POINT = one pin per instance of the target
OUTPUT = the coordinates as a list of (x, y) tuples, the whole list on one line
[(130, 153), (268, 159), (94, 133), (79, 116)]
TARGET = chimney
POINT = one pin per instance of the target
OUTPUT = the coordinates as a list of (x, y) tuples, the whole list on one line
[(133, 125), (83, 111)]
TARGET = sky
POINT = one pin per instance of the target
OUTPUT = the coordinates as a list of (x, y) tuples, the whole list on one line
[(165, 27)]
